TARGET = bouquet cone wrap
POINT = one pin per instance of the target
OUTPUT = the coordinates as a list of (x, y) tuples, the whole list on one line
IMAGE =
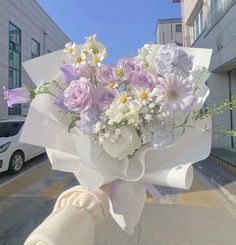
[(76, 152)]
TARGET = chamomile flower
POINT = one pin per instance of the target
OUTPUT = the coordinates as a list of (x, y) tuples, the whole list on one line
[(124, 108), (70, 49), (93, 51), (143, 96)]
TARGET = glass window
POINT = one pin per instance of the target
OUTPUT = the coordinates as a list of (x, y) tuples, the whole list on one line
[(14, 63), (14, 78), (198, 26), (9, 129), (14, 37), (35, 49), (14, 59), (178, 28)]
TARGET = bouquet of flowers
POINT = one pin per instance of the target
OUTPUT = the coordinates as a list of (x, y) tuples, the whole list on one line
[(137, 123)]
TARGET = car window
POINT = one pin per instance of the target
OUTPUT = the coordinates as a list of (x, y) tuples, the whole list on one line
[(8, 129)]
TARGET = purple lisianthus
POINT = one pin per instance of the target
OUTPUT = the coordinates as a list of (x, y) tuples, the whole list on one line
[(104, 97), (173, 58), (83, 70), (143, 79), (16, 96), (174, 93), (68, 73), (78, 96), (105, 75), (59, 102), (88, 119), (130, 64)]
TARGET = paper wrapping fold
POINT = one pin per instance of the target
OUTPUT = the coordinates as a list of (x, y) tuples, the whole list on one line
[(76, 153)]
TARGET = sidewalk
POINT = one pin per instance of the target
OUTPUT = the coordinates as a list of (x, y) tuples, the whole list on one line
[(204, 215)]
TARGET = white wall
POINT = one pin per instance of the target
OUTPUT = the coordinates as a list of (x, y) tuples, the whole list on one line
[(169, 31), (221, 37), (31, 19)]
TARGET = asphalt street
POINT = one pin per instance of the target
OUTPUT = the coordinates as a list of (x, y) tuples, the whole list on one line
[(204, 215)]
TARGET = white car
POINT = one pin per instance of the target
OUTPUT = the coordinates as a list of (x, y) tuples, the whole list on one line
[(13, 154)]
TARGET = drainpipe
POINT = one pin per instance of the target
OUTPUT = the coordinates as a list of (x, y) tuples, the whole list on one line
[(231, 112), (45, 33)]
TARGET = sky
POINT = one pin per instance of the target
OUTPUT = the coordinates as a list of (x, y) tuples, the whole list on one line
[(123, 26)]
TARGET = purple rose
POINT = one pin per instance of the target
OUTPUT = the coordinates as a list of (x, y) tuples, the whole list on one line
[(68, 73), (104, 97), (105, 74), (16, 96), (143, 79), (82, 70), (78, 96)]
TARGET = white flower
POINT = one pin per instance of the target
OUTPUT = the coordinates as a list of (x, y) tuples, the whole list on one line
[(123, 108), (93, 51), (125, 145), (143, 54), (70, 49), (143, 96), (148, 117)]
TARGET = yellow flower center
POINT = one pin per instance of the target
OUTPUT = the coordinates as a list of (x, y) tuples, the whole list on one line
[(95, 50), (96, 60), (143, 95), (110, 85), (85, 51), (122, 99), (78, 59), (119, 73), (69, 50), (125, 111)]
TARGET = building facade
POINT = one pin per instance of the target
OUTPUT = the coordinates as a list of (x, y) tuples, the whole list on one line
[(212, 24), (169, 30), (26, 32)]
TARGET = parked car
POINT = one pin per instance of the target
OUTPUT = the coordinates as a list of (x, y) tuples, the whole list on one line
[(13, 154)]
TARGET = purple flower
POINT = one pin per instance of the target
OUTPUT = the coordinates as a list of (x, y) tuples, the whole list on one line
[(68, 73), (88, 119), (104, 97), (127, 66), (82, 70), (105, 75), (175, 93), (78, 96), (143, 79), (59, 102), (130, 65), (174, 59), (16, 96)]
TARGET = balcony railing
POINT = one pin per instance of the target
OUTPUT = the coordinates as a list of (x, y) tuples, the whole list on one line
[(218, 10)]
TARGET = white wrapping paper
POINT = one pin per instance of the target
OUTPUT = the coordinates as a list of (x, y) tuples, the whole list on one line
[(77, 153)]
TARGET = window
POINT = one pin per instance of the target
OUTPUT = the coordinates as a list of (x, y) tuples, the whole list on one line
[(9, 129), (35, 48), (14, 63), (178, 28), (198, 26)]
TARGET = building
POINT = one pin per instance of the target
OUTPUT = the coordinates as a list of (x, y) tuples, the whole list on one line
[(26, 31), (212, 24), (169, 30)]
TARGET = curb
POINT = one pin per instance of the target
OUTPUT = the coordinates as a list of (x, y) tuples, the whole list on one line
[(227, 166)]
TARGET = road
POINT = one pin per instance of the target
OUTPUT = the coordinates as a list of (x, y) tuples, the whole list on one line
[(204, 215)]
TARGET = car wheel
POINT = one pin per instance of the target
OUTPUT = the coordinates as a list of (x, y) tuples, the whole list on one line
[(16, 162)]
